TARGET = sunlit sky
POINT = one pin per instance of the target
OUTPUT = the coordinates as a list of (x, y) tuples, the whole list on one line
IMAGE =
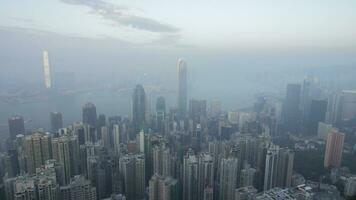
[(203, 23)]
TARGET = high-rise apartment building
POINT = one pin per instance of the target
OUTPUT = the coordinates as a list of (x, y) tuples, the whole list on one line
[(37, 150), (228, 178), (334, 148)]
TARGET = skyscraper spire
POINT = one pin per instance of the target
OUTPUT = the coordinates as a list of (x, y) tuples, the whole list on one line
[(46, 70)]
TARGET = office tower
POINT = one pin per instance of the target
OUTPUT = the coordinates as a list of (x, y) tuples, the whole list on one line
[(291, 111), (138, 107), (78, 189), (16, 126), (245, 193), (46, 70), (215, 108), (350, 187), (228, 174), (197, 109), (132, 168), (323, 130), (116, 134), (89, 114), (163, 188), (333, 149), (160, 114), (247, 177), (205, 174), (182, 87), (343, 106), (56, 121), (37, 150), (316, 115), (190, 177)]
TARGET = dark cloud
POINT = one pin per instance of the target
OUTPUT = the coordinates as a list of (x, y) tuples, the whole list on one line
[(119, 15)]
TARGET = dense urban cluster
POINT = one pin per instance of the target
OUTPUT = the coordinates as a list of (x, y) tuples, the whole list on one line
[(194, 151)]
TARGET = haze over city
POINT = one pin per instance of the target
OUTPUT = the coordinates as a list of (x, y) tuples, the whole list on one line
[(198, 100)]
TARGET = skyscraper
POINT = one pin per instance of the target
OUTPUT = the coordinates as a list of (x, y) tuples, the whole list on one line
[(291, 112), (46, 70), (160, 114), (132, 168), (228, 174), (138, 107), (333, 149), (163, 188), (343, 107), (16, 126), (278, 167), (270, 179), (78, 189), (190, 177), (182, 87), (197, 109), (206, 174), (316, 115), (89, 114), (56, 121), (37, 150)]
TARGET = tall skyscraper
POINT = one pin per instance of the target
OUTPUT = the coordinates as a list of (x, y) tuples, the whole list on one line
[(16, 126), (190, 177), (291, 113), (197, 109), (182, 87), (333, 149), (132, 168), (65, 150), (138, 107), (89, 114), (46, 70), (278, 167), (271, 168), (160, 114), (317, 114), (56, 121), (228, 175), (206, 174), (116, 134)]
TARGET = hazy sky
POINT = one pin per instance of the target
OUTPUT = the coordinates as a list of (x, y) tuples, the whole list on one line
[(202, 23)]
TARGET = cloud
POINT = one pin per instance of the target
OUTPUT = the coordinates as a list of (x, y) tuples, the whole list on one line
[(120, 15)]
